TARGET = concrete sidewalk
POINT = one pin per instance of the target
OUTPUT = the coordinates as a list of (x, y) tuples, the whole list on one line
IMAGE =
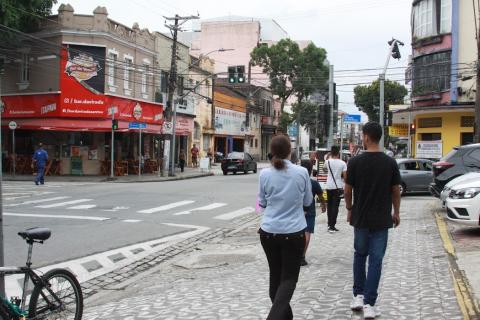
[(228, 278)]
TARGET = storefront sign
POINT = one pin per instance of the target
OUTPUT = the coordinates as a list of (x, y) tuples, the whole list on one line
[(429, 149), (183, 125), (167, 128), (230, 122), (86, 66), (137, 125), (398, 130)]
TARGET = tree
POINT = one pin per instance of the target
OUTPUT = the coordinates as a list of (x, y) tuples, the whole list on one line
[(367, 98), (24, 15), (306, 114), (280, 62)]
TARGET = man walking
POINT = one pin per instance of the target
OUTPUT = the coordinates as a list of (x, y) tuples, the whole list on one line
[(40, 158), (374, 179)]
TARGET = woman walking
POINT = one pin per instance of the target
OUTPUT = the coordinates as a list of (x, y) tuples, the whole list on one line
[(284, 190), (336, 169)]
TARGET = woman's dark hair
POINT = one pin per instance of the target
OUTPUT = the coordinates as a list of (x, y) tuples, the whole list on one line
[(308, 165), (280, 148)]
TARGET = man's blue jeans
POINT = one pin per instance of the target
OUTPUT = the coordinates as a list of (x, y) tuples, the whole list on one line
[(40, 175), (371, 244)]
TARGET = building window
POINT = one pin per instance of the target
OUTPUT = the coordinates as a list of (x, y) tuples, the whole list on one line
[(180, 88), (431, 73), (146, 72), (256, 143), (467, 121), (446, 16), (196, 131), (435, 122), (431, 136), (25, 68), (466, 138), (128, 75), (112, 63), (163, 82), (206, 142), (424, 19)]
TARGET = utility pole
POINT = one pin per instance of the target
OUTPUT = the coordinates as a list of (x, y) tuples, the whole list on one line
[(172, 80), (477, 95), (331, 102), (2, 243)]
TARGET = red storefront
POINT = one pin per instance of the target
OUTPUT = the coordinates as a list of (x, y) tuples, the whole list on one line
[(75, 124)]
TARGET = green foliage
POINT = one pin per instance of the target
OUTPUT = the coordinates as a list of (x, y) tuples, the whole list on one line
[(285, 120), (291, 70), (367, 97), (24, 15), (306, 112)]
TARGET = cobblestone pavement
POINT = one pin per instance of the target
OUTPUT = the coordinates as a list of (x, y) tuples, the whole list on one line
[(228, 278)]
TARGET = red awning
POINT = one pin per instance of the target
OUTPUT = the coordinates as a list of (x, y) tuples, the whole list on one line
[(53, 124)]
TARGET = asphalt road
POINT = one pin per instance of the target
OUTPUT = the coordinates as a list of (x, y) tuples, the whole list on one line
[(88, 218)]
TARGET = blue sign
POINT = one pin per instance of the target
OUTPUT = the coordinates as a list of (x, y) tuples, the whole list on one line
[(137, 125), (352, 118), (292, 130)]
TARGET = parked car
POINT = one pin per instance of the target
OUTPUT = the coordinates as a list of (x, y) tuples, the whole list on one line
[(416, 174), (456, 163), (460, 179), (463, 203), (239, 162)]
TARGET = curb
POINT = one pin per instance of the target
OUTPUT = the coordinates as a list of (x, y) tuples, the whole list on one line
[(463, 291), (202, 175)]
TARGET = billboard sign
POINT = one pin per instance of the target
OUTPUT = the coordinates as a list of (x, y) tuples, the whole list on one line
[(230, 122), (429, 149)]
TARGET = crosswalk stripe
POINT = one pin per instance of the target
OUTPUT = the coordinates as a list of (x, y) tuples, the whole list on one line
[(61, 204), (131, 220), (56, 216), (36, 201), (83, 206), (167, 206), (205, 208), (235, 214)]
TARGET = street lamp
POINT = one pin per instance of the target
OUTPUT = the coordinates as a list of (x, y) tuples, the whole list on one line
[(174, 119), (395, 53)]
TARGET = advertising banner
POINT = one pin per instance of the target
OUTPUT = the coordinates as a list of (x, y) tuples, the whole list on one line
[(429, 149), (229, 122), (398, 130)]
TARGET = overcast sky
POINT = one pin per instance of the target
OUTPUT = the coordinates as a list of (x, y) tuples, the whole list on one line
[(354, 32)]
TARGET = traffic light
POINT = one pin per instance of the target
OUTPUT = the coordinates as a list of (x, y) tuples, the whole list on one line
[(241, 74), (395, 50), (231, 75), (412, 128), (114, 124)]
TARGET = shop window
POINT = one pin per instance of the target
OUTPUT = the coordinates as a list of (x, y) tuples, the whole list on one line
[(466, 138), (435, 122), (467, 121), (431, 136), (431, 73)]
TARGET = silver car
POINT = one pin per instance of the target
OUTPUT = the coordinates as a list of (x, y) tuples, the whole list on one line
[(416, 174)]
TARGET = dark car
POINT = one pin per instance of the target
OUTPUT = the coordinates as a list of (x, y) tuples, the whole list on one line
[(457, 162), (239, 162), (416, 174)]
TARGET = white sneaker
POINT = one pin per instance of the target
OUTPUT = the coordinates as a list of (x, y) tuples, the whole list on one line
[(357, 303), (370, 312)]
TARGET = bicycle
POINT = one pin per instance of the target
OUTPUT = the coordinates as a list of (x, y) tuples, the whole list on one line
[(56, 294)]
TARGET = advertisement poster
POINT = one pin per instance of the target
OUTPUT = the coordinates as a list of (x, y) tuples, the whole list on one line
[(230, 122), (429, 149), (86, 64), (93, 154)]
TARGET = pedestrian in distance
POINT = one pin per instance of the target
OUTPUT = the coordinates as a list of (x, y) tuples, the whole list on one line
[(310, 211), (40, 158), (181, 160), (284, 190), (194, 151), (336, 170), (374, 180)]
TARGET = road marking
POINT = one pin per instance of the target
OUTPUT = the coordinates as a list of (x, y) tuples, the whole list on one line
[(36, 201), (235, 214), (131, 220), (83, 207), (167, 207), (115, 209), (13, 286), (37, 193), (62, 204), (205, 208), (56, 216)]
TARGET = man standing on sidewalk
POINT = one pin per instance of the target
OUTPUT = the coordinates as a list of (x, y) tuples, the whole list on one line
[(40, 158), (374, 179)]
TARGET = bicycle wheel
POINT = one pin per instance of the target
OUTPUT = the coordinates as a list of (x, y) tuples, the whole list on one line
[(62, 300)]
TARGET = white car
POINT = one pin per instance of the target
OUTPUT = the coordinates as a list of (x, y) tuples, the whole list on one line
[(463, 203), (461, 179)]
